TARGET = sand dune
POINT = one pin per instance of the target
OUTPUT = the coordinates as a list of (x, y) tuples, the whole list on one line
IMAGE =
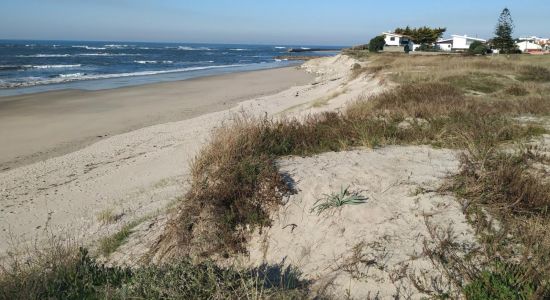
[(373, 248), (141, 172)]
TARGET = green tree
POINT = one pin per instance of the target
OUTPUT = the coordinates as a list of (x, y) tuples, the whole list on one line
[(503, 33), (422, 35), (478, 47), (377, 44)]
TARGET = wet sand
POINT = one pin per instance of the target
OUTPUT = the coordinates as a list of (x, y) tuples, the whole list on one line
[(39, 126)]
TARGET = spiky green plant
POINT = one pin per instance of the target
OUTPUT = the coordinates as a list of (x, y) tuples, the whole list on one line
[(334, 200)]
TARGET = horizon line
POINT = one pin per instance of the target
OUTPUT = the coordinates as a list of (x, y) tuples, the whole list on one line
[(172, 42)]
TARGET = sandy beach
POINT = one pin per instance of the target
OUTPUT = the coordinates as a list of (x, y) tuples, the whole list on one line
[(40, 126), (142, 171), (245, 150), (140, 176)]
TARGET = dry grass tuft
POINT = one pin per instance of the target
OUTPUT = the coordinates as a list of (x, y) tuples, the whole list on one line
[(534, 73), (504, 183), (508, 205), (516, 90), (108, 216), (446, 101), (71, 273), (236, 183)]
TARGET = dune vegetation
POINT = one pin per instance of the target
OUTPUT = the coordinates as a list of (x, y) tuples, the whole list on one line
[(490, 108)]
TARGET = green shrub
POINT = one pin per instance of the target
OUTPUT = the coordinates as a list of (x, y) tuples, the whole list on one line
[(360, 47), (479, 48), (516, 90), (80, 277), (73, 276), (427, 48), (534, 73), (503, 283), (377, 44)]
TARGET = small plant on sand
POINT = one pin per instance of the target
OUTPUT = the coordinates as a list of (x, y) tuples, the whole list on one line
[(335, 200), (110, 244), (107, 216)]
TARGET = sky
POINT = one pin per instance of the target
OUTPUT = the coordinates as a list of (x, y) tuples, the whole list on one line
[(288, 22)]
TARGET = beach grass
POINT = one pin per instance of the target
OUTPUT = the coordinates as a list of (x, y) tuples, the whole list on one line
[(72, 273), (107, 216), (433, 105), (337, 200), (236, 185), (236, 182)]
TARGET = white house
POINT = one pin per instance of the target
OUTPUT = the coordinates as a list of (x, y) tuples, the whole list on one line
[(533, 43), (535, 39), (397, 42), (458, 43), (445, 44), (527, 46)]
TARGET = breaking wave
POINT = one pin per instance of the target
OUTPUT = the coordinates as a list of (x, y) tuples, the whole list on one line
[(62, 78)]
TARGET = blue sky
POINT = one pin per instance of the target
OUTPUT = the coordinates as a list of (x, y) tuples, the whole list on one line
[(318, 22)]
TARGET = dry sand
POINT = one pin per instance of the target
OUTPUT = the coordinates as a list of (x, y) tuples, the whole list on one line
[(371, 249), (39, 126), (141, 172)]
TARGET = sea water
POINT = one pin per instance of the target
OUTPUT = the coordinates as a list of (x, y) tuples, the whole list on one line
[(36, 66)]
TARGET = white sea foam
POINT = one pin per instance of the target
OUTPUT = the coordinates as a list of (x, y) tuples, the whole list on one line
[(117, 46), (81, 76), (186, 48), (73, 75), (145, 62), (44, 55), (280, 47), (304, 48), (79, 54), (238, 49), (108, 54), (89, 48), (56, 66)]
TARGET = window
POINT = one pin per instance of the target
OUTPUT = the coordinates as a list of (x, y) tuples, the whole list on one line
[(392, 38)]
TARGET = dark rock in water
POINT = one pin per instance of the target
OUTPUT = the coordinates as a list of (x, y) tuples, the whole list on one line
[(13, 68)]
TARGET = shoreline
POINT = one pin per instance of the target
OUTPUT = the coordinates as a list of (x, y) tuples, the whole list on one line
[(141, 173), (53, 123), (111, 83)]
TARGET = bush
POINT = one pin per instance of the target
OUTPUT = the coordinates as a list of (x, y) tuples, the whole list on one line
[(377, 44), (534, 73), (516, 90), (74, 275), (478, 48), (427, 48), (503, 283), (360, 47), (79, 276)]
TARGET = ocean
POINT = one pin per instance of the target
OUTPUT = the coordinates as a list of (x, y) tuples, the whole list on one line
[(37, 66)]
